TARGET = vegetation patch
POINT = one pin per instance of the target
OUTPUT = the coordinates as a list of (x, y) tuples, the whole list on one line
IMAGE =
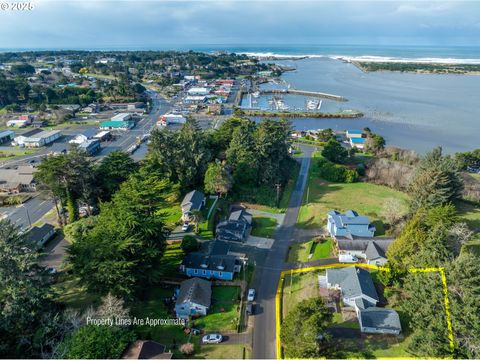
[(264, 226), (318, 249)]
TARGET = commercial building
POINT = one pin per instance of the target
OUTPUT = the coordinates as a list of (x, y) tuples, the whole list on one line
[(22, 121), (171, 119), (198, 91), (122, 117), (117, 125), (41, 139), (91, 146), (83, 136), (6, 136), (103, 136)]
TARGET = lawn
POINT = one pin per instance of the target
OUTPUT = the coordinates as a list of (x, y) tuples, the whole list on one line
[(172, 215), (470, 213), (300, 252), (152, 306), (223, 351), (171, 260), (298, 287), (373, 346), (264, 226), (263, 198), (69, 291), (206, 227), (6, 155), (224, 312), (365, 198)]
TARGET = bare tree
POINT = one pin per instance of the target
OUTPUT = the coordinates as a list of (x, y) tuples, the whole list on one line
[(459, 233), (112, 307), (393, 211)]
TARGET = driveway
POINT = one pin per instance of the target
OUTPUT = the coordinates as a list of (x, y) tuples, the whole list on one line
[(279, 217), (266, 281), (55, 252), (259, 242), (178, 233)]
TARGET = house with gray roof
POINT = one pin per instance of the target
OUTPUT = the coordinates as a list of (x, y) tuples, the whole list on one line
[(194, 298), (236, 227), (349, 225), (354, 283), (376, 320), (193, 201), (217, 262), (372, 250), (358, 291)]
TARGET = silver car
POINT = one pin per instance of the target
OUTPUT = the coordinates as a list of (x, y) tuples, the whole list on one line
[(212, 339)]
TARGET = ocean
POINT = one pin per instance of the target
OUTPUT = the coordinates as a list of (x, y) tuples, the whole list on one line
[(414, 111)]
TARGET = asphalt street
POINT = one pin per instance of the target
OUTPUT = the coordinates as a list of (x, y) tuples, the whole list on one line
[(268, 275), (34, 209)]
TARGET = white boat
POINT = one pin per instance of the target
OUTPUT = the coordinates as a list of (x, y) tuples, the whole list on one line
[(256, 94), (312, 104)]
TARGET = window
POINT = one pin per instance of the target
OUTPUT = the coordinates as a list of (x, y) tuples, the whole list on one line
[(221, 274), (204, 272), (195, 271)]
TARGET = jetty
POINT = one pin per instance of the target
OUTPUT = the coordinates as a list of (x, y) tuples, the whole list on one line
[(305, 93)]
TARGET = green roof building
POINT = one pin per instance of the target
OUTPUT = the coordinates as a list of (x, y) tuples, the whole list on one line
[(117, 125)]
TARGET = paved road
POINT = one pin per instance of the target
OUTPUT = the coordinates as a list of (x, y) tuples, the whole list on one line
[(34, 208), (267, 276)]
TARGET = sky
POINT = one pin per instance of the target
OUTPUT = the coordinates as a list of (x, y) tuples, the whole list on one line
[(171, 24)]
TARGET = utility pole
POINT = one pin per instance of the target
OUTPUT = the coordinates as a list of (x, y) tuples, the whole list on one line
[(28, 215), (278, 186)]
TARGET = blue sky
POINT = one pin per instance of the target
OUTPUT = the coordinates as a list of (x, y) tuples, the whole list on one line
[(71, 24)]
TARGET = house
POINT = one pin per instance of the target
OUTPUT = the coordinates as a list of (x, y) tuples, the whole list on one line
[(194, 298), (116, 125), (356, 286), (40, 235), (83, 136), (17, 180), (6, 136), (146, 349), (358, 291), (236, 228), (372, 250), (354, 134), (193, 201), (217, 262), (376, 320), (39, 123), (358, 143), (349, 225), (22, 121)]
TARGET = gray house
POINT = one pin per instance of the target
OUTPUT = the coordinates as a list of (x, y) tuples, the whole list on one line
[(193, 201), (194, 298), (372, 250), (40, 235), (358, 291), (376, 320), (236, 227)]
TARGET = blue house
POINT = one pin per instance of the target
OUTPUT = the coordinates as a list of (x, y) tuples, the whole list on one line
[(349, 225), (215, 263)]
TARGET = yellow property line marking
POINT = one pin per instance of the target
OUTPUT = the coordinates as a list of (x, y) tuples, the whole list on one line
[(278, 297)]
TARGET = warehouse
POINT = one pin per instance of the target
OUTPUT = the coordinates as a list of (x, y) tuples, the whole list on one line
[(42, 139)]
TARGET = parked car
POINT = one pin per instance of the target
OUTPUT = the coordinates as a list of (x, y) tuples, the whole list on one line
[(185, 226), (250, 309), (212, 339), (347, 258), (251, 295)]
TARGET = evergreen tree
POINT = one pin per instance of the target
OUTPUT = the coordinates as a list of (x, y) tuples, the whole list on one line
[(335, 152), (217, 179)]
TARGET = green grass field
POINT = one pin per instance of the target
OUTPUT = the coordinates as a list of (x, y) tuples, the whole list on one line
[(224, 312), (224, 351), (171, 260), (298, 287), (263, 226), (300, 252), (470, 213), (206, 227), (365, 198)]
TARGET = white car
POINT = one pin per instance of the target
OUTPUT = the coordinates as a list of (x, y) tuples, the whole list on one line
[(212, 339), (185, 226), (251, 295)]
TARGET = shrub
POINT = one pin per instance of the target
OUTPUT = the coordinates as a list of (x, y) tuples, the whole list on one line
[(187, 349), (336, 173), (189, 243)]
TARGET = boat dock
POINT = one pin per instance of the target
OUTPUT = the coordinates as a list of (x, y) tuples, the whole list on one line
[(305, 93)]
